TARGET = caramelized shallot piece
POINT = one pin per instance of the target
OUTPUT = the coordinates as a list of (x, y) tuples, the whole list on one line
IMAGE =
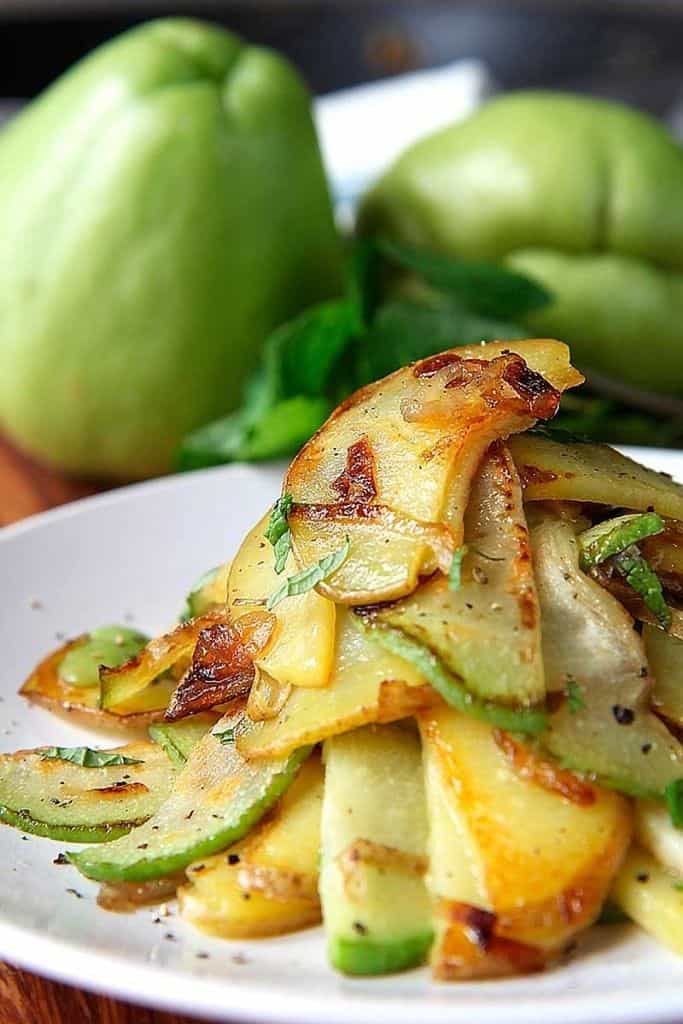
[(222, 664)]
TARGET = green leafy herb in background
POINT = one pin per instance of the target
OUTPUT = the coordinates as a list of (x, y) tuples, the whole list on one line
[(86, 757), (401, 304), (310, 363), (483, 288)]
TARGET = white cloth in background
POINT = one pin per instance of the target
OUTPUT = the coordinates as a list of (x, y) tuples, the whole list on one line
[(363, 129)]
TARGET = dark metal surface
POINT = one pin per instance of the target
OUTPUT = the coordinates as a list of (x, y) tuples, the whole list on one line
[(630, 52)]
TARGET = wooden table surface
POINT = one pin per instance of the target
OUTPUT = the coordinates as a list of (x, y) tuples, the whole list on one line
[(25, 998)]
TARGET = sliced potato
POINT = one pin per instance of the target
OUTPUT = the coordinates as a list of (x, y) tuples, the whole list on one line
[(558, 470), (542, 863), (302, 648), (487, 631), (126, 897), (45, 687), (368, 684), (652, 897), (267, 883), (421, 432)]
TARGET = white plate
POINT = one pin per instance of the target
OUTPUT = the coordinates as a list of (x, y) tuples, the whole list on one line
[(134, 552)]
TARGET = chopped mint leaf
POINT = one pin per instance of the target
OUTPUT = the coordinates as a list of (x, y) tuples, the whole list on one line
[(575, 699), (86, 757), (225, 735), (613, 536), (278, 533), (642, 578), (309, 578), (455, 572)]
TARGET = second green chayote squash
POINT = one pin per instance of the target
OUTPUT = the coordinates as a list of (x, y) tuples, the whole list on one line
[(584, 195), (162, 207)]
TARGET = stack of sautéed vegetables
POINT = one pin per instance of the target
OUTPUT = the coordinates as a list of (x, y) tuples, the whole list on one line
[(436, 699)]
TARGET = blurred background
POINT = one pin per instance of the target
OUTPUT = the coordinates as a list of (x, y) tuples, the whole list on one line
[(468, 50), (625, 49)]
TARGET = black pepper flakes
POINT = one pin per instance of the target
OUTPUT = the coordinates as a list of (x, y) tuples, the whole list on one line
[(61, 858), (360, 928), (642, 876), (646, 748), (233, 858), (624, 716), (76, 893)]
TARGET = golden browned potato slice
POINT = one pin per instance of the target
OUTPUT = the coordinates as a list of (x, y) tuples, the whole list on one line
[(266, 884), (368, 684), (397, 457), (302, 648), (558, 470), (652, 897), (532, 847), (45, 687)]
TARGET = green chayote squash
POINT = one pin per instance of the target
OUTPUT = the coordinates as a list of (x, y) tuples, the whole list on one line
[(162, 207), (584, 195)]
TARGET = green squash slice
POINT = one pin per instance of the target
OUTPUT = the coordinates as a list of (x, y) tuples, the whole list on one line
[(376, 909), (593, 655), (485, 627), (61, 800), (216, 799), (208, 593), (665, 655)]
